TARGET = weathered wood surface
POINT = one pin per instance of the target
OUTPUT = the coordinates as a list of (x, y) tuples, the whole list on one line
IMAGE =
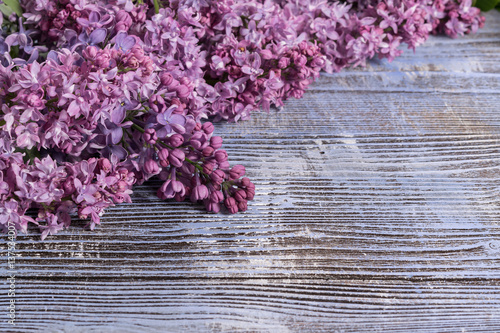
[(377, 209)]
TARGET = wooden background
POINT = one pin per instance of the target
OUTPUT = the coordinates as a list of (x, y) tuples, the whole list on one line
[(377, 209)]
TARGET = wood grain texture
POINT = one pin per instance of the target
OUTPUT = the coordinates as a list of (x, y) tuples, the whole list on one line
[(377, 209)]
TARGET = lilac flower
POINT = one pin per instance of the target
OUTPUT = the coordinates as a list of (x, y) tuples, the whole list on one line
[(97, 36), (128, 5), (52, 226), (455, 27), (171, 187), (229, 21), (85, 192), (27, 136), (95, 20), (124, 42), (10, 213), (252, 66), (21, 38), (78, 106), (30, 78), (171, 122)]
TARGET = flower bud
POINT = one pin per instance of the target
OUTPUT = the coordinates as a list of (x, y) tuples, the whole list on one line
[(220, 156), (166, 79), (132, 62), (138, 52), (150, 136), (121, 26), (180, 106), (224, 165), (283, 62), (250, 193), (90, 52), (102, 60), (151, 167), (208, 167), (105, 165), (318, 62), (212, 206), (217, 176), (176, 158), (208, 151), (208, 128), (185, 81), (216, 142), (176, 140), (182, 91), (163, 157), (245, 181), (242, 206), (216, 196), (266, 54), (123, 16), (236, 172), (240, 195), (300, 61), (231, 205)]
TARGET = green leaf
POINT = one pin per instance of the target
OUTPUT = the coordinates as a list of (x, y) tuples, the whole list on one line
[(486, 5), (5, 10), (14, 6)]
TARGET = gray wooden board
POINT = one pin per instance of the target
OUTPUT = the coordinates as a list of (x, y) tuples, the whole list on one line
[(377, 209)]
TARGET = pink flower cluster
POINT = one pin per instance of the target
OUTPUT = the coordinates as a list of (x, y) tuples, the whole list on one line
[(99, 95)]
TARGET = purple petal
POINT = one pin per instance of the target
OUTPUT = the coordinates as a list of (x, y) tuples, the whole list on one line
[(129, 6), (94, 17), (22, 40), (73, 109), (118, 115), (255, 60), (240, 84), (168, 191), (83, 22), (120, 37), (116, 135), (110, 180), (177, 119), (164, 131), (162, 119), (178, 128), (78, 184), (53, 56), (246, 69), (177, 186), (128, 43), (98, 36), (11, 39), (119, 152)]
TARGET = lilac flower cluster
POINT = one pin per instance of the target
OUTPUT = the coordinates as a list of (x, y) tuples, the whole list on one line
[(97, 96), (262, 52)]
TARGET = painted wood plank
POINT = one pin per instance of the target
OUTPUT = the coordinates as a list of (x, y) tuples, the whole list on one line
[(256, 305)]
